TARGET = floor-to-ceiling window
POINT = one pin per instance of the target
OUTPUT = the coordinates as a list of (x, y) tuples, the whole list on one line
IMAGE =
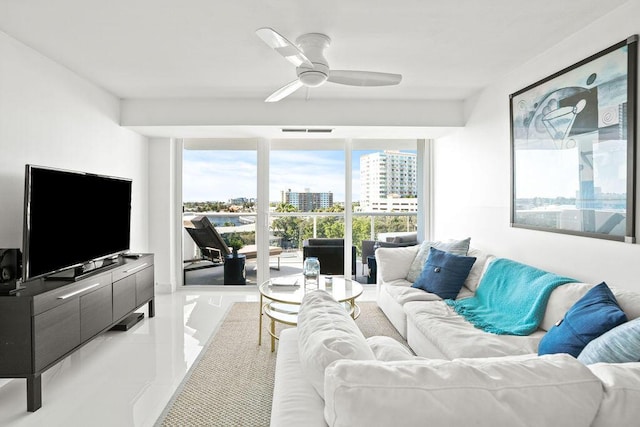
[(270, 193), (218, 182), (385, 194), (306, 194)]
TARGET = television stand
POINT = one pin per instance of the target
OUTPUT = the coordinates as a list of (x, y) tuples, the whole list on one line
[(49, 320)]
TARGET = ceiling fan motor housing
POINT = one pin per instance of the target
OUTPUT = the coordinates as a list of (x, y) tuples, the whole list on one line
[(313, 46)]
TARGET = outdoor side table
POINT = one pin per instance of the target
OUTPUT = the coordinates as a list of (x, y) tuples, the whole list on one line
[(234, 272)]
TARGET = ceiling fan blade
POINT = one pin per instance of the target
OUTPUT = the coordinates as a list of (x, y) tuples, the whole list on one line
[(284, 91), (283, 46), (363, 78)]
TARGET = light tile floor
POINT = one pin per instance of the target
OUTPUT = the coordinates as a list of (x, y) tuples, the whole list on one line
[(126, 378)]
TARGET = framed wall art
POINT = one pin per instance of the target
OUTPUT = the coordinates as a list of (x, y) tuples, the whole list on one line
[(573, 137)]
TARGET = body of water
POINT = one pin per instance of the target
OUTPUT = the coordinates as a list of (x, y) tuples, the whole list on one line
[(225, 220)]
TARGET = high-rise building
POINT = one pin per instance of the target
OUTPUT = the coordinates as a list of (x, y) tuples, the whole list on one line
[(307, 201), (387, 175)]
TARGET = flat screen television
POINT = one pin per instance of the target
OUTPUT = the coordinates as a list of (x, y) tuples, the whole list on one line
[(73, 219)]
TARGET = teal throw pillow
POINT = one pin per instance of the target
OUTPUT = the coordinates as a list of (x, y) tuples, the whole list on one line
[(444, 273), (620, 345), (591, 316)]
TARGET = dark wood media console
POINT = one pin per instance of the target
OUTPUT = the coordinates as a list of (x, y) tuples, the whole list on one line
[(49, 319)]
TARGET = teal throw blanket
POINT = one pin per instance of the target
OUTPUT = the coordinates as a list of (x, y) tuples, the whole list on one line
[(511, 298)]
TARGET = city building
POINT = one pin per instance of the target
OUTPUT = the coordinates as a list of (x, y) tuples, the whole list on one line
[(393, 204), (307, 201), (238, 201), (388, 181)]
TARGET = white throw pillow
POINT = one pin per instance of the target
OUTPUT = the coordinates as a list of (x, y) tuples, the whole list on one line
[(457, 247), (327, 333), (533, 391), (393, 263)]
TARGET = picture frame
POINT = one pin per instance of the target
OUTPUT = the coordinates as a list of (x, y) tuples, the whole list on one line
[(573, 148)]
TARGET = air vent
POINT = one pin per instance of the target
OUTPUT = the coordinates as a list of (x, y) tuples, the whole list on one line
[(302, 130)]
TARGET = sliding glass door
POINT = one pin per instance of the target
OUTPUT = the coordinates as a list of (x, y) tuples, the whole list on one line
[(306, 195)]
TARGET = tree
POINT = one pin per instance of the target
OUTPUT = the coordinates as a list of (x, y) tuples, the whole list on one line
[(285, 207), (360, 231), (287, 228)]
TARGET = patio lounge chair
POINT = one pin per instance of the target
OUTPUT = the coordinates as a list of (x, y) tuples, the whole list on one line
[(212, 245)]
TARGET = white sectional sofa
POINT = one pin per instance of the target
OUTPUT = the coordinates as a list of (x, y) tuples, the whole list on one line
[(434, 330), (454, 374)]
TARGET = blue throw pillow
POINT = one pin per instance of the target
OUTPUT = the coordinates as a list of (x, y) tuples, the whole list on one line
[(444, 273), (619, 345), (594, 314)]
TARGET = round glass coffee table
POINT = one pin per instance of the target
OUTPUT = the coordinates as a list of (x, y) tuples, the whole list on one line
[(280, 303)]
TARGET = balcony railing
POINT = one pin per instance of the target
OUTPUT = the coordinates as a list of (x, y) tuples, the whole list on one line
[(289, 229)]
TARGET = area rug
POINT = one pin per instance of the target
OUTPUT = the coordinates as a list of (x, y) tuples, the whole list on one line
[(232, 382)]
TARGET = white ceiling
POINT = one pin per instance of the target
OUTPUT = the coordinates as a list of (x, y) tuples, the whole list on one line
[(208, 48)]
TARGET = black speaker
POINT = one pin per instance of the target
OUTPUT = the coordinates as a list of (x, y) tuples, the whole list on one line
[(10, 266)]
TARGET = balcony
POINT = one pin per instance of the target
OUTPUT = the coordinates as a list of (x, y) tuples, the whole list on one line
[(288, 230)]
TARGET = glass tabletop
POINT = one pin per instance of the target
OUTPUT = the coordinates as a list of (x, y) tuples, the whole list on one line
[(341, 289)]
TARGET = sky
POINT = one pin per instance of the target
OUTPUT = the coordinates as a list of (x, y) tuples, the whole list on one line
[(222, 175), (219, 175)]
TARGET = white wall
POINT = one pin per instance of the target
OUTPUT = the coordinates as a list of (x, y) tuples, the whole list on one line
[(472, 171), (49, 116), (163, 205)]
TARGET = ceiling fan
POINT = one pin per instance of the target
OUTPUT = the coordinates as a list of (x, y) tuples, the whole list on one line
[(312, 67)]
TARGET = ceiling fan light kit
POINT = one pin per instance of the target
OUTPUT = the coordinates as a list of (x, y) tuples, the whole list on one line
[(312, 68)]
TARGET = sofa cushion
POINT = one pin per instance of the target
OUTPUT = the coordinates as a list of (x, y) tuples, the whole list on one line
[(593, 315), (455, 337), (404, 239), (458, 247), (621, 384), (561, 300), (444, 273), (294, 398), (387, 349), (511, 391), (326, 333), (482, 261), (393, 263), (619, 345), (403, 292), (389, 236), (629, 302)]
